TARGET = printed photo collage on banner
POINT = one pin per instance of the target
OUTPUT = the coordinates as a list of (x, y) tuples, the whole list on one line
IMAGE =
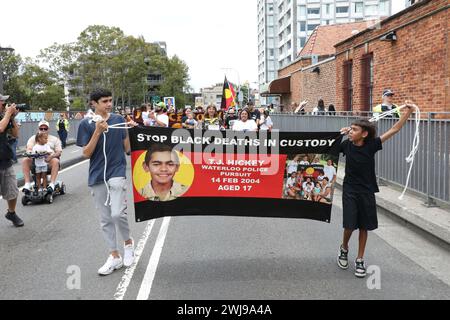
[(310, 177)]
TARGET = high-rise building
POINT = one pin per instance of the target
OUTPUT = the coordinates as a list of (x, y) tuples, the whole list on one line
[(267, 42), (285, 25)]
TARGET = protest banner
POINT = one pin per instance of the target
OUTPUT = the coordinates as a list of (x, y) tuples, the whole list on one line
[(179, 172)]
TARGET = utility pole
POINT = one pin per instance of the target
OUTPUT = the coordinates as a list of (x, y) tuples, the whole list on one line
[(1, 68)]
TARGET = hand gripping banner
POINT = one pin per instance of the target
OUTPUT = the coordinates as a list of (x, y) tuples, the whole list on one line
[(179, 172)]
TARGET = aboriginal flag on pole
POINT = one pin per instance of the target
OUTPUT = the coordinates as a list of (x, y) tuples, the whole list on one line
[(228, 95)]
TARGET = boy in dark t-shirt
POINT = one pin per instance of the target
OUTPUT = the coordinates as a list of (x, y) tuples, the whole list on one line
[(360, 185), (91, 135)]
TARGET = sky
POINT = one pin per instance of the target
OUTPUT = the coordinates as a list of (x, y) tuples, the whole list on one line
[(209, 35)]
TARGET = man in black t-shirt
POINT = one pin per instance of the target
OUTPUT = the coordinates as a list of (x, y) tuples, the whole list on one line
[(360, 185), (254, 114)]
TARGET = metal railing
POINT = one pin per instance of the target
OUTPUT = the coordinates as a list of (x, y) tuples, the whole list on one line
[(431, 172), (29, 129)]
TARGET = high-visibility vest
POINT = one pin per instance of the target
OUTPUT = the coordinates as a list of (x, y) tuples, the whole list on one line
[(66, 124), (383, 108)]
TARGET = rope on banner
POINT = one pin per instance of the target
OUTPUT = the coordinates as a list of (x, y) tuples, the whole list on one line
[(416, 141), (123, 126)]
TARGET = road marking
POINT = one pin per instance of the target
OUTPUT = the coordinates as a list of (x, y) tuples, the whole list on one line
[(146, 285), (78, 150), (126, 279), (74, 166)]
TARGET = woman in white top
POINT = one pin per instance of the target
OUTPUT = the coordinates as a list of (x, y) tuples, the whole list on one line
[(244, 123), (266, 123)]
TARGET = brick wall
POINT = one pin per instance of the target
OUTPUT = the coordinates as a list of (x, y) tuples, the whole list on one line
[(416, 66), (320, 86), (306, 85)]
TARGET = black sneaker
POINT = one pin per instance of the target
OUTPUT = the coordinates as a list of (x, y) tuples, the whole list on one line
[(360, 268), (342, 259), (14, 218), (49, 190)]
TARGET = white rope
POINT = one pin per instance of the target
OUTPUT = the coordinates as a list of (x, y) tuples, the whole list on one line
[(415, 145), (124, 126)]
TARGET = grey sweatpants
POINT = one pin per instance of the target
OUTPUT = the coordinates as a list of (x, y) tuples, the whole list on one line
[(113, 215)]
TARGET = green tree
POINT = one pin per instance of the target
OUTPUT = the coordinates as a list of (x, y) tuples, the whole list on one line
[(176, 81), (104, 56), (51, 98)]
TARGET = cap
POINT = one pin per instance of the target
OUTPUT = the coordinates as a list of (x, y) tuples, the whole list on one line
[(388, 92), (44, 123), (3, 98)]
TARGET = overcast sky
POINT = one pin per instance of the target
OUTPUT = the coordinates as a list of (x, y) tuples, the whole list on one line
[(207, 34)]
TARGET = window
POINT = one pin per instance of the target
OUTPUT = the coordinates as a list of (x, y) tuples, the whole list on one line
[(311, 27), (359, 7), (270, 7), (288, 30), (348, 85), (341, 9), (372, 10), (327, 9), (313, 10), (367, 81), (302, 41), (302, 26), (289, 45), (271, 52), (301, 11), (270, 31), (384, 7)]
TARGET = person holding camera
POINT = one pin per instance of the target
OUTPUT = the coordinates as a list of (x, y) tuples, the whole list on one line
[(8, 181)]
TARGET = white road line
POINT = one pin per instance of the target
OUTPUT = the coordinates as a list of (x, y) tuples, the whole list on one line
[(75, 151), (74, 166), (126, 279), (146, 285)]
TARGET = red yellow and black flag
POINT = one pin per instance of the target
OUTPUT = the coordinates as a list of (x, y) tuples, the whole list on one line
[(228, 95)]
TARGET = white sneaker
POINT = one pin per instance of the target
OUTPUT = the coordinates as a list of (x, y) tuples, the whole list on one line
[(128, 254), (110, 266)]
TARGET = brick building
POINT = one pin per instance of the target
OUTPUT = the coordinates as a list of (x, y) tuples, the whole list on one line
[(407, 52), (313, 75)]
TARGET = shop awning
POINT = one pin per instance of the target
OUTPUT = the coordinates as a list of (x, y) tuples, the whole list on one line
[(280, 86)]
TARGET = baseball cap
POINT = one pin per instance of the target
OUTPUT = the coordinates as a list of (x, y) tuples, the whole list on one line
[(388, 92), (44, 123), (3, 98)]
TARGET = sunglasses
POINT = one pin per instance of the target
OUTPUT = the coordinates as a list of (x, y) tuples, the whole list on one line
[(43, 129)]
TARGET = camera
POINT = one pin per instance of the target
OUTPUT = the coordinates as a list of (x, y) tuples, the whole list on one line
[(22, 107)]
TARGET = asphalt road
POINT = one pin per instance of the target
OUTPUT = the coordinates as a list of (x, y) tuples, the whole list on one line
[(208, 257)]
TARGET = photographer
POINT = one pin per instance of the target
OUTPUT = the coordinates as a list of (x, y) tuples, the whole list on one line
[(8, 182)]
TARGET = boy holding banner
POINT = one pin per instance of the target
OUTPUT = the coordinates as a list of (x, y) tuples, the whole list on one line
[(360, 185), (91, 135)]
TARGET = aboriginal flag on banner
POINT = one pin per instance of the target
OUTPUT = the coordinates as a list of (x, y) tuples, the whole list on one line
[(179, 172), (228, 95)]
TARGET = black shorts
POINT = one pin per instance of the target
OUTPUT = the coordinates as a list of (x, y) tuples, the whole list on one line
[(360, 211)]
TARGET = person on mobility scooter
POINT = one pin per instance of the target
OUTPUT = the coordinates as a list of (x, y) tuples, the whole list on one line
[(52, 160)]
